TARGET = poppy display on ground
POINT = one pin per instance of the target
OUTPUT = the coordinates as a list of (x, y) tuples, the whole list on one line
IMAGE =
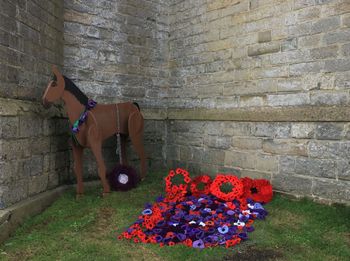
[(202, 218)]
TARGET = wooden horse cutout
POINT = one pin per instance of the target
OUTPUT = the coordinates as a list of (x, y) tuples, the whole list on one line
[(93, 123)]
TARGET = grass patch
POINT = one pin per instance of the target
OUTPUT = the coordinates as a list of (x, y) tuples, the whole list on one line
[(86, 229)]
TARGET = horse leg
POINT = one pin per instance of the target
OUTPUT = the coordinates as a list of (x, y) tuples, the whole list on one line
[(78, 168), (96, 147), (136, 136)]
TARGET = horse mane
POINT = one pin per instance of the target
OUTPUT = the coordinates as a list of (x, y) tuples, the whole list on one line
[(73, 89)]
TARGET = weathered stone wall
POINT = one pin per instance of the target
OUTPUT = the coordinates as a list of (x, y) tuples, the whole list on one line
[(117, 51), (249, 53), (255, 87), (262, 57), (33, 142)]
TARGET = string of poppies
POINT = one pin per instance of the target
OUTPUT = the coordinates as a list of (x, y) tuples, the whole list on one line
[(204, 217)]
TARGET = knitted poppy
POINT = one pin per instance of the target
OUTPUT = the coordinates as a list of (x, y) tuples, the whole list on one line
[(237, 187), (206, 180), (176, 193), (200, 220), (259, 190)]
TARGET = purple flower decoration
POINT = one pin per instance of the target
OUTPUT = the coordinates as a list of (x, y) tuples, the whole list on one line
[(198, 244), (147, 211), (223, 229), (91, 104), (75, 130)]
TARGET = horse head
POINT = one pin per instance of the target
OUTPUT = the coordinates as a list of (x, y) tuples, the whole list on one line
[(54, 89)]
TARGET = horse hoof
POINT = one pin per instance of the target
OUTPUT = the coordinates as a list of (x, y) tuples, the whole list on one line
[(79, 196)]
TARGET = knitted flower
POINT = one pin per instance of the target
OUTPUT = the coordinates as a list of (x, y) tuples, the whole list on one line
[(259, 190), (175, 193), (206, 180), (237, 187)]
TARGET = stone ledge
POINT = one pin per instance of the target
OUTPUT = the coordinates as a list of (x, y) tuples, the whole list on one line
[(14, 216), (265, 114), (13, 107)]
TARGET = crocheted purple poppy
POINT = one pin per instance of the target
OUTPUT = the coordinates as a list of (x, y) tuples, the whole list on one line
[(123, 178), (198, 244)]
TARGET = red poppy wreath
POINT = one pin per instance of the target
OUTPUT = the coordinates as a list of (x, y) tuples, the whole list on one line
[(237, 187)]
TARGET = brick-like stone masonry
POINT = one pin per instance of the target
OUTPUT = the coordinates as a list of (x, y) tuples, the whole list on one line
[(178, 55)]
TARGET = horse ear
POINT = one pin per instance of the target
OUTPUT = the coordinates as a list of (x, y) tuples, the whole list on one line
[(59, 76), (55, 70)]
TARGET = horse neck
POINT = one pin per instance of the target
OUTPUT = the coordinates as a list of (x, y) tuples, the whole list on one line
[(73, 107)]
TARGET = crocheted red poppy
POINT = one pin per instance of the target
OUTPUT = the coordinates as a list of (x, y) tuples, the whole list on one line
[(237, 187), (259, 190), (206, 180), (176, 193)]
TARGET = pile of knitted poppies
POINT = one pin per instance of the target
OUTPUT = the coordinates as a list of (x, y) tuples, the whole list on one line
[(203, 217)]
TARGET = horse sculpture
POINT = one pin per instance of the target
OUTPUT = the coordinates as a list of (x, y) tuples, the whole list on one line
[(92, 123)]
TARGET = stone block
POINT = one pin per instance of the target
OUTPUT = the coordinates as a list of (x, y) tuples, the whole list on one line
[(247, 101), (236, 129), (345, 50), (343, 170), (239, 159), (329, 98), (324, 52), (337, 65), (326, 150), (288, 147), (265, 162), (289, 183), (308, 14), (332, 189), (218, 142), (246, 143), (346, 20), (309, 41), (30, 126), (14, 149), (315, 167), (303, 68), (264, 36), (255, 174), (303, 130), (288, 99), (286, 165), (33, 166), (325, 25), (9, 127), (299, 4), (289, 44), (266, 48), (337, 37), (38, 184), (272, 130), (329, 131), (213, 157)]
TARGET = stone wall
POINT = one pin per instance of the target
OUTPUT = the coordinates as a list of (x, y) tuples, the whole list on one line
[(252, 64), (255, 87), (250, 53), (33, 142), (116, 50)]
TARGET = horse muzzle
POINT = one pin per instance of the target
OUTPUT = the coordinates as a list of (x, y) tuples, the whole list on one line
[(46, 104)]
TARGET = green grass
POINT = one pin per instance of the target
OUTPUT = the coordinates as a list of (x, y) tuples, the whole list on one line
[(86, 230)]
